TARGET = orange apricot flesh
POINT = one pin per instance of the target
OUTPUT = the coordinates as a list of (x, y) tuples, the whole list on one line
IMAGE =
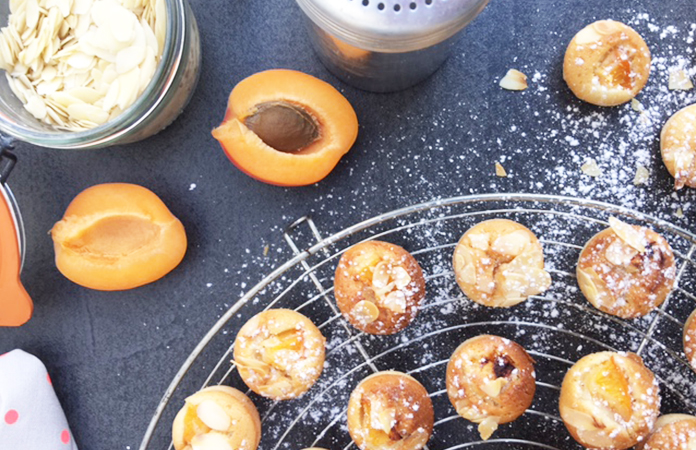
[(117, 236), (335, 120), (609, 384)]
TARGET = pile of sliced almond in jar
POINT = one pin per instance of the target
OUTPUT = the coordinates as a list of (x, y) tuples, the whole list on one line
[(76, 64)]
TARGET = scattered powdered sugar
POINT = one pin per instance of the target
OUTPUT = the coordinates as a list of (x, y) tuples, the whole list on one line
[(556, 327)]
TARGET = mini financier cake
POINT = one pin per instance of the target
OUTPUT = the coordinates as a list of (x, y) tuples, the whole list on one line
[(490, 381), (672, 432), (609, 400), (607, 63), (279, 353), (690, 339), (678, 147), (626, 270), (500, 263), (379, 287), (217, 418), (390, 410)]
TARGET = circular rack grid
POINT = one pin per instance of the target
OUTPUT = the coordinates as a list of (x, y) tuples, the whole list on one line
[(557, 327)]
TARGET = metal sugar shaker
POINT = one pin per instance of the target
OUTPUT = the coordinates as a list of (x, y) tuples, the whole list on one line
[(386, 45)]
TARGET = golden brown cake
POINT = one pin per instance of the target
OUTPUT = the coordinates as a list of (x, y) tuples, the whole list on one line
[(379, 287), (217, 418), (672, 432), (500, 263), (609, 400), (607, 63), (388, 411), (279, 353), (690, 339), (490, 381), (678, 147), (626, 270)]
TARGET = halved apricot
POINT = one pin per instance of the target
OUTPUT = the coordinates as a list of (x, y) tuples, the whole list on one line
[(286, 128), (117, 236)]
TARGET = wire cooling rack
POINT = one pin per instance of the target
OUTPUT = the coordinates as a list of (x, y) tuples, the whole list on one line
[(557, 328)]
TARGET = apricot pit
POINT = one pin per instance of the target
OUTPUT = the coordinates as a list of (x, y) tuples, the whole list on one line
[(286, 128), (117, 236)]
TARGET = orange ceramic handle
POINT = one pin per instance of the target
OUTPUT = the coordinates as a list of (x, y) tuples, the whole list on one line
[(15, 304)]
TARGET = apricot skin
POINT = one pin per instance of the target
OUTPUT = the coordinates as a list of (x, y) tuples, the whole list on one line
[(336, 117), (117, 236)]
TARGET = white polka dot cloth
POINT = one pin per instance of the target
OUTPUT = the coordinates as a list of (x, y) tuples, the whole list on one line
[(31, 417)]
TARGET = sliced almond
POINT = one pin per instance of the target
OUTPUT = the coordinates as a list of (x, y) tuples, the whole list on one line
[(627, 233), (213, 416), (587, 35), (259, 367), (492, 388), (36, 106), (479, 241), (382, 417), (642, 175), (511, 244), (210, 441), (32, 11), (84, 111), (586, 282), (578, 419), (591, 168), (365, 312), (607, 27), (380, 275), (500, 170), (538, 281), (514, 80), (619, 254), (401, 277), (637, 106), (395, 301), (468, 274), (487, 427), (679, 81)]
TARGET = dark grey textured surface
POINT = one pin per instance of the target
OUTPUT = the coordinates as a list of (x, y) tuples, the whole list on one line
[(111, 355)]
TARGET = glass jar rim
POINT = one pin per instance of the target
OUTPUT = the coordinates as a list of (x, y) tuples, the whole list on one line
[(135, 114)]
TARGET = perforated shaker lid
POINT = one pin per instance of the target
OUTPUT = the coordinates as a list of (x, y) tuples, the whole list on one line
[(392, 25)]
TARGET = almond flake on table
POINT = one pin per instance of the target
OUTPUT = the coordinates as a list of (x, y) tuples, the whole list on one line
[(679, 81), (591, 168), (500, 170), (637, 106), (514, 80), (679, 213), (642, 175)]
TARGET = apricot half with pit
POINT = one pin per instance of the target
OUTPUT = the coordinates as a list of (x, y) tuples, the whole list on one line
[(286, 128), (117, 236)]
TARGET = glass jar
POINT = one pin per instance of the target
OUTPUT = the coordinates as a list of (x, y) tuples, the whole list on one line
[(162, 101)]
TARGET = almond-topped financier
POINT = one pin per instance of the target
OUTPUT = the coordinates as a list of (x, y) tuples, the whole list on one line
[(607, 63), (390, 410), (500, 263), (671, 432), (379, 287), (678, 147), (279, 353), (217, 418), (690, 339), (490, 381), (609, 400), (626, 270)]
